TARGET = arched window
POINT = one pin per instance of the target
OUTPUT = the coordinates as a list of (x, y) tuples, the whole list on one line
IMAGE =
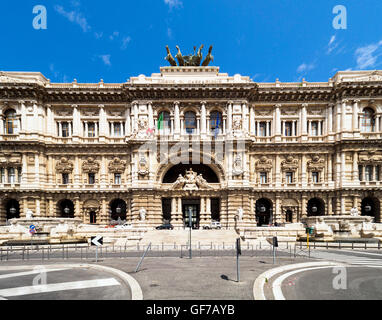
[(190, 122), (216, 122), (11, 122), (368, 120), (164, 122)]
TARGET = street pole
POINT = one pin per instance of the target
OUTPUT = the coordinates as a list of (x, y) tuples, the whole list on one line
[(237, 267), (96, 254), (190, 225)]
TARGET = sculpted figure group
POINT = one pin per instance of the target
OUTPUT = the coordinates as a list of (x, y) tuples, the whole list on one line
[(192, 60)]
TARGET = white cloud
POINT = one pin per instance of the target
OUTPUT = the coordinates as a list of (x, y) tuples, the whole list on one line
[(367, 56), (106, 59), (98, 35), (169, 33), (114, 35), (305, 67), (173, 3), (125, 42), (332, 45), (74, 17)]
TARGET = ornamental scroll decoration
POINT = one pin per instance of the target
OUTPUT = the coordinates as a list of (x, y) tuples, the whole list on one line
[(64, 166), (117, 166), (264, 164), (289, 164), (90, 166), (370, 158), (316, 164)]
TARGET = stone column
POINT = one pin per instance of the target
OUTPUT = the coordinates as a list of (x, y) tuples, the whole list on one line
[(277, 213), (343, 167), (277, 121), (304, 132), (303, 170), (229, 117), (355, 167), (208, 209), (176, 118), (151, 115), (103, 127), (330, 119), (252, 123), (77, 208), (76, 121), (203, 119), (355, 115)]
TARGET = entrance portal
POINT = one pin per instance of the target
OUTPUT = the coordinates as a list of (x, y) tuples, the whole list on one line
[(194, 206)]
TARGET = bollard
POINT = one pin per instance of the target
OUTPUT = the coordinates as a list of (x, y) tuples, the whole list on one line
[(314, 244), (365, 245), (339, 244), (42, 256), (23, 252), (81, 253), (63, 252), (327, 245), (379, 245), (352, 245), (7, 252)]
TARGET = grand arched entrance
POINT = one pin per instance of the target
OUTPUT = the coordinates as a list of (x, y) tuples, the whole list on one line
[(118, 210), (370, 206), (263, 212), (315, 207), (192, 193), (12, 209)]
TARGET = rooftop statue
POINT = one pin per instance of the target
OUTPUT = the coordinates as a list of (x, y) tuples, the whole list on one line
[(191, 60)]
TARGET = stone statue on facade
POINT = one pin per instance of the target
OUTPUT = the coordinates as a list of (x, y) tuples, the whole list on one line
[(191, 60), (240, 213), (142, 214), (29, 214), (191, 181), (354, 212)]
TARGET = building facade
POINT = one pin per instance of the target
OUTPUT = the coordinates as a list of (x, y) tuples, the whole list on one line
[(190, 139)]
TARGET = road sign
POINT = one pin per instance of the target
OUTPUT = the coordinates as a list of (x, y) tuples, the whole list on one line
[(32, 229), (97, 241)]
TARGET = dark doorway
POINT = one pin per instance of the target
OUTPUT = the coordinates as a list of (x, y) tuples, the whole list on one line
[(93, 217), (166, 210), (263, 212), (371, 207), (215, 209), (174, 172), (194, 206), (289, 216), (13, 209), (316, 207)]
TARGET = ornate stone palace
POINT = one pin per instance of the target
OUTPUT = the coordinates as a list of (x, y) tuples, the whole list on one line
[(290, 150)]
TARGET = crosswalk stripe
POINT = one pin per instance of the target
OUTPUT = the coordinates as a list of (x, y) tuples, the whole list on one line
[(43, 288), (19, 274)]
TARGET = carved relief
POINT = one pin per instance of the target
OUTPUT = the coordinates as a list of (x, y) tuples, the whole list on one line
[(143, 168), (289, 164), (191, 181), (237, 166), (90, 166), (316, 164), (117, 166), (264, 164), (370, 157), (64, 166)]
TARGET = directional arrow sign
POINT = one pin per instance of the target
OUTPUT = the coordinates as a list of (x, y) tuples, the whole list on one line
[(97, 241)]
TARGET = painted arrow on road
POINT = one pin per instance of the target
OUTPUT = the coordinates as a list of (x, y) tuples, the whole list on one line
[(97, 241)]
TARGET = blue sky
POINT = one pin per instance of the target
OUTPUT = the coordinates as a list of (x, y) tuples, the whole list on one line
[(113, 40)]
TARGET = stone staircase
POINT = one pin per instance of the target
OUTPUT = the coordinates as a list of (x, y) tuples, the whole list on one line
[(181, 237)]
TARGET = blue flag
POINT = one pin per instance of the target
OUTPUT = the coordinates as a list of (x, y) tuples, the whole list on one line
[(217, 125)]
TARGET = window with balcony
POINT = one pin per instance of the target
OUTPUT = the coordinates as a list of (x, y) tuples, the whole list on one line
[(91, 178), (288, 127), (65, 178), (164, 123), (11, 122), (190, 122), (117, 178), (216, 122), (263, 177), (289, 177), (368, 120)]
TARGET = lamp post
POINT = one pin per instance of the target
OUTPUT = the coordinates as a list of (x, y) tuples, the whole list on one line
[(12, 211), (190, 225), (66, 211)]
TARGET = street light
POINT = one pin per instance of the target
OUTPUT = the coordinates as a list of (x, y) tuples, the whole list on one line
[(314, 209), (190, 224), (367, 208), (12, 211), (67, 211), (263, 209)]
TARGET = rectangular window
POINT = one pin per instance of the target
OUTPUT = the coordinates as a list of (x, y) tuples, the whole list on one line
[(65, 129), (11, 175), (19, 172), (117, 178), (2, 175), (377, 173), (315, 177), (91, 129), (369, 173), (91, 177), (288, 128), (65, 178), (360, 173), (263, 177), (263, 129), (314, 128), (289, 177), (117, 129)]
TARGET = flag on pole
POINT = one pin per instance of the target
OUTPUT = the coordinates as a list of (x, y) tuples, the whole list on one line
[(217, 125), (160, 121)]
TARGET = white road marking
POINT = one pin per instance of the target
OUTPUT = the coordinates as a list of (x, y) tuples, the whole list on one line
[(74, 285), (20, 274), (276, 286)]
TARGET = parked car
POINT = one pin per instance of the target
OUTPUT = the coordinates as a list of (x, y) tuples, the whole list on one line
[(165, 226), (213, 225), (124, 226)]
